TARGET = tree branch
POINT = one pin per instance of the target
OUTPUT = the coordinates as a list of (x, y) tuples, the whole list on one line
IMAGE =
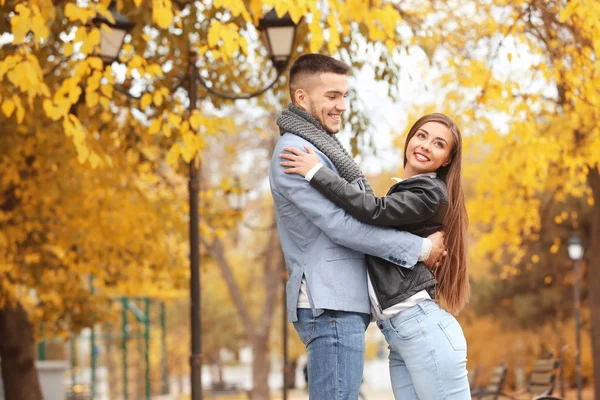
[(272, 277), (216, 250)]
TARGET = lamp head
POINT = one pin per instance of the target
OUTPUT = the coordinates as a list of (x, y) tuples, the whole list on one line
[(575, 248)]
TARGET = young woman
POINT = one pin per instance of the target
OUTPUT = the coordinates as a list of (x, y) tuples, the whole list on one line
[(427, 346)]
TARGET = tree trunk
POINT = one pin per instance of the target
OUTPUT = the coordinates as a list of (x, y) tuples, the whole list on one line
[(19, 375), (260, 368), (594, 278)]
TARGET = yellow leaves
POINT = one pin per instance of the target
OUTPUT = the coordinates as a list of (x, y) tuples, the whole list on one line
[(68, 49), (32, 258), (20, 23), (226, 39), (155, 70), (53, 112), (297, 9), (568, 10), (235, 7), (195, 120), (8, 106), (38, 27), (154, 127), (158, 99), (137, 2), (107, 90), (26, 19), (95, 63), (387, 17), (192, 144), (145, 101), (102, 10), (74, 13), (136, 62), (316, 33), (24, 72), (20, 109), (390, 45), (173, 155), (92, 99), (91, 41), (162, 13), (174, 120), (57, 251), (555, 246), (334, 36), (12, 104)]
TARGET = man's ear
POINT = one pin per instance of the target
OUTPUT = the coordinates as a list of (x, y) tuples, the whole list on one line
[(301, 98)]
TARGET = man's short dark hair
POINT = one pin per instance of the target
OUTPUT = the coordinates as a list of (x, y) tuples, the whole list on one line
[(314, 64)]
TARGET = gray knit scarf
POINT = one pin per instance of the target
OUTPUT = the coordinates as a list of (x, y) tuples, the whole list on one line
[(297, 121)]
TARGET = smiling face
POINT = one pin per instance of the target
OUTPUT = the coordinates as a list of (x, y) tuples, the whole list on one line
[(428, 149), (325, 99)]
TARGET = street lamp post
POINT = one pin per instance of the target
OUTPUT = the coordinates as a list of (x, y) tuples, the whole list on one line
[(280, 46), (575, 248), (194, 188)]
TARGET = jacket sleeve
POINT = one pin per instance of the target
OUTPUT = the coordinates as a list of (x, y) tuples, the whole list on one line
[(417, 203), (400, 248)]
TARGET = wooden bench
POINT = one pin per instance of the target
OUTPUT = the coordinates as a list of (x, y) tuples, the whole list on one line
[(539, 387), (492, 390), (541, 382)]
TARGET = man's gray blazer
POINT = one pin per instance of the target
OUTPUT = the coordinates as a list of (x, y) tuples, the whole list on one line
[(327, 245)]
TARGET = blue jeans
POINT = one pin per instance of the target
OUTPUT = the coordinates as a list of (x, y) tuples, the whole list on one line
[(428, 354), (335, 343)]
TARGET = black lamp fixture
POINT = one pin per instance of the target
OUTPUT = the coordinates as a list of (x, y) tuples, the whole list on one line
[(278, 34), (111, 40)]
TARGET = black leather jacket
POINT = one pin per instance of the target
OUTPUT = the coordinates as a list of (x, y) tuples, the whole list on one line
[(417, 205)]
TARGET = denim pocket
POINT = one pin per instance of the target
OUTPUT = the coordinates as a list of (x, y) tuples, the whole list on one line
[(306, 330), (407, 330), (453, 333)]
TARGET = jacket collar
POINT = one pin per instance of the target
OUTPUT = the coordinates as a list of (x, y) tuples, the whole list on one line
[(429, 174)]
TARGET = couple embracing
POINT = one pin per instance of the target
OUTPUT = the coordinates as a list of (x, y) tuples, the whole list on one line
[(353, 257)]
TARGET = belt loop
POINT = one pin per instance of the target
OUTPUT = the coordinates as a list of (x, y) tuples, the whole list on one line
[(422, 307)]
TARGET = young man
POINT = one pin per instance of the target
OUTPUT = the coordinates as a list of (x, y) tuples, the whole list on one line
[(324, 247)]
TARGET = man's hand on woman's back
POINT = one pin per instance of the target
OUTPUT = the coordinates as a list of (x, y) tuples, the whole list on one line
[(438, 249)]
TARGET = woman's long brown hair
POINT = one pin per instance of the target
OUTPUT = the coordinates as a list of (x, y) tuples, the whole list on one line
[(453, 281)]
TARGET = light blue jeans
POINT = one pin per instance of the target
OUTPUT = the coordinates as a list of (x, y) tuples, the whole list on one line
[(335, 343), (428, 354)]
